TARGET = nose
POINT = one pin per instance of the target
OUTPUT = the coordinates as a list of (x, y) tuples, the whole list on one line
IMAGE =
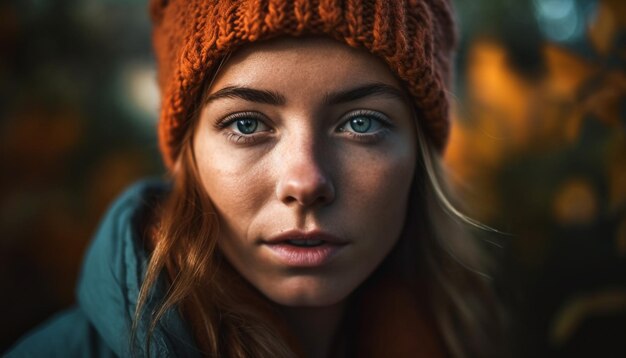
[(303, 180)]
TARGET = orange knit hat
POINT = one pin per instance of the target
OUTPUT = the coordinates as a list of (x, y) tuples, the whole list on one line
[(414, 37)]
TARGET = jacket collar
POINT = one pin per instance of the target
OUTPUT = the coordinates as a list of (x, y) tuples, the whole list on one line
[(111, 277)]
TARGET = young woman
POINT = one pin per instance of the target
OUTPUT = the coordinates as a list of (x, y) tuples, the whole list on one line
[(305, 214)]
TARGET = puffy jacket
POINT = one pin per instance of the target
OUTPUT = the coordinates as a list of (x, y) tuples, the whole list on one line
[(107, 291)]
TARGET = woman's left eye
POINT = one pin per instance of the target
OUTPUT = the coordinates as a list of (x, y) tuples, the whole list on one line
[(247, 126), (364, 123)]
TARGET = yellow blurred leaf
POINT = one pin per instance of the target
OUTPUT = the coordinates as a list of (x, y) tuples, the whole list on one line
[(605, 101), (572, 315), (610, 19), (575, 202), (566, 72)]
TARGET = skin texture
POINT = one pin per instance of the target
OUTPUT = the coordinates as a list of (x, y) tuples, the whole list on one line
[(305, 169)]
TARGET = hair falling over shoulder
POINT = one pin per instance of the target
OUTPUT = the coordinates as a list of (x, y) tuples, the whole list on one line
[(456, 266)]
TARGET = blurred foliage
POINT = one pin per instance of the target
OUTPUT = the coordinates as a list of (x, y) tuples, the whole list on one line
[(77, 112), (538, 150)]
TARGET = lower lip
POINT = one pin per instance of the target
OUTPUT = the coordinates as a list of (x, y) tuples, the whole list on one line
[(304, 256)]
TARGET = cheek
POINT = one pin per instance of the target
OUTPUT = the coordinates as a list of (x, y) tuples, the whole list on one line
[(379, 180), (236, 184), (376, 193)]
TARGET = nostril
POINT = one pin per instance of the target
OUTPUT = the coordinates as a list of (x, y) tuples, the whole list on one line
[(306, 190)]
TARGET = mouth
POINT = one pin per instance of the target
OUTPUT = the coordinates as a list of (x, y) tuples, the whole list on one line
[(305, 238), (305, 242), (300, 249)]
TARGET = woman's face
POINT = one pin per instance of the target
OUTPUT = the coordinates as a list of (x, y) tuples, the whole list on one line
[(307, 150)]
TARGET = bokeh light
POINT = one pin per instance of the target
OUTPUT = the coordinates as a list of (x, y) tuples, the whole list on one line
[(560, 20)]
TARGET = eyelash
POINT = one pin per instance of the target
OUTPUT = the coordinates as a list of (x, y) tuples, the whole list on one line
[(230, 119), (252, 138)]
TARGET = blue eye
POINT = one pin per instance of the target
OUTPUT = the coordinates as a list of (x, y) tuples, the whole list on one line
[(364, 123), (247, 125), (244, 127), (360, 124)]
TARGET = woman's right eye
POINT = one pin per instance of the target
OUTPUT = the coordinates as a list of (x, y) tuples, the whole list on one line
[(244, 127)]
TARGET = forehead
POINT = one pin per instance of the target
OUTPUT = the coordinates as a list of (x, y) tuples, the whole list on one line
[(302, 65)]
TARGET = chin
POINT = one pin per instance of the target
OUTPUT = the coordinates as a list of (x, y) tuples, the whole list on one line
[(304, 293)]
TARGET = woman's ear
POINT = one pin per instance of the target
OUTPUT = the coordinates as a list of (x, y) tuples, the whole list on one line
[(157, 8)]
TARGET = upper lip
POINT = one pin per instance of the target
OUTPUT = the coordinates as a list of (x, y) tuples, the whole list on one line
[(305, 235)]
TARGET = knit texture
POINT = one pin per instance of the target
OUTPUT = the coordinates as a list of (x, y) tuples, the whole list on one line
[(414, 37)]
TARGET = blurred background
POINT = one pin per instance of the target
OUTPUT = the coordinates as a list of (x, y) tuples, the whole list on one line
[(538, 150)]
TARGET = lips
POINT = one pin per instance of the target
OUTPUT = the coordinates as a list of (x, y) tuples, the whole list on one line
[(304, 249)]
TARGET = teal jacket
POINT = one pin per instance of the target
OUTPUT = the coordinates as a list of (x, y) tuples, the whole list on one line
[(107, 291)]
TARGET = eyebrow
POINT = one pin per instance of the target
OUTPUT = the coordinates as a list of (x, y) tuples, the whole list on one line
[(367, 90), (249, 94), (332, 98)]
